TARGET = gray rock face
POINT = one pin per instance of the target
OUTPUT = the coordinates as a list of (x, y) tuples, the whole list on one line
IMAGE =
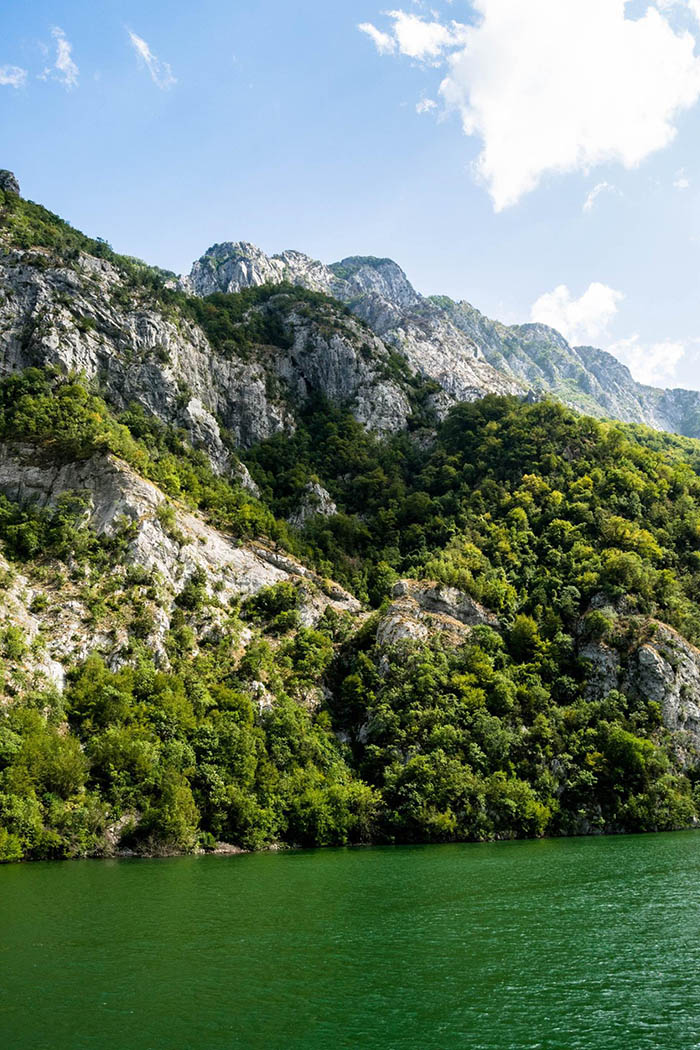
[(663, 669), (666, 670), (171, 550), (451, 342), (378, 292), (8, 182), (421, 608), (81, 318), (315, 500), (232, 267)]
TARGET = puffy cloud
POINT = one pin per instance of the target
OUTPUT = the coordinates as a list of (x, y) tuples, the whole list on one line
[(564, 85), (681, 181), (64, 69), (655, 364), (161, 73), (12, 76), (554, 86), (416, 37), (601, 187), (582, 320)]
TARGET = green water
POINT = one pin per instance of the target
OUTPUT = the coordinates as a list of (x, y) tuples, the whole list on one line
[(591, 943)]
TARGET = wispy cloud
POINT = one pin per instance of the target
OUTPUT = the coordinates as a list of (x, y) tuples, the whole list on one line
[(161, 73), (64, 69), (656, 364), (384, 43), (12, 76), (681, 181), (415, 37), (426, 105), (601, 187)]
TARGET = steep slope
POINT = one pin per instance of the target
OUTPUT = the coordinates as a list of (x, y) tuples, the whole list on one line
[(453, 343), (247, 367), (402, 620), (377, 291)]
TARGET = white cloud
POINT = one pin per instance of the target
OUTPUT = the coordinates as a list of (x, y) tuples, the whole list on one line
[(64, 69), (582, 320), (426, 41), (601, 187), (384, 42), (426, 105), (655, 364), (416, 37), (565, 85), (12, 76), (161, 73), (681, 181), (553, 86)]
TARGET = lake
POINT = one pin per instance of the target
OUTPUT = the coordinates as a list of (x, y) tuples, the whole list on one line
[(560, 944)]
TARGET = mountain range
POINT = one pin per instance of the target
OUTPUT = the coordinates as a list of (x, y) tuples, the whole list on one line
[(292, 555), (466, 353)]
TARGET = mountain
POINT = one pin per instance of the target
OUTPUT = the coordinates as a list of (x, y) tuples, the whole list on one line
[(452, 343), (293, 563)]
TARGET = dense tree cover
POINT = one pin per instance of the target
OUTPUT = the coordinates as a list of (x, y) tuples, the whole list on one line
[(179, 759), (235, 324), (529, 508)]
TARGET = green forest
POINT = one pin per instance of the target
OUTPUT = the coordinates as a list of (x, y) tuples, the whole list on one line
[(529, 508)]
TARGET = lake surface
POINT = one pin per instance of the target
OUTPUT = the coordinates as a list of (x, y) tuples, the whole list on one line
[(591, 943)]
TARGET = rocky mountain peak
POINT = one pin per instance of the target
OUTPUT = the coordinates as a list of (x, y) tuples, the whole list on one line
[(367, 275), (8, 182), (233, 266), (452, 343)]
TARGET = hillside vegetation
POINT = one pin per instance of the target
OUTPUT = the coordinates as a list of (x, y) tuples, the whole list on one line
[(273, 715)]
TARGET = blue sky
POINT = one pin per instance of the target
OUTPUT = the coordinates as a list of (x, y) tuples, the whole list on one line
[(167, 127)]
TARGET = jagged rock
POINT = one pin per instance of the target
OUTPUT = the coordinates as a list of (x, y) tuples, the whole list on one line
[(662, 668), (315, 500), (230, 267), (8, 182), (204, 433), (421, 608), (666, 670), (452, 343), (448, 601), (604, 671), (81, 318), (245, 480), (378, 291)]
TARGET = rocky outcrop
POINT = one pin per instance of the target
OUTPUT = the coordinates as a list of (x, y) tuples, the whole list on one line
[(165, 540), (232, 267), (666, 671), (315, 500), (8, 182), (659, 667), (422, 608), (378, 292)]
